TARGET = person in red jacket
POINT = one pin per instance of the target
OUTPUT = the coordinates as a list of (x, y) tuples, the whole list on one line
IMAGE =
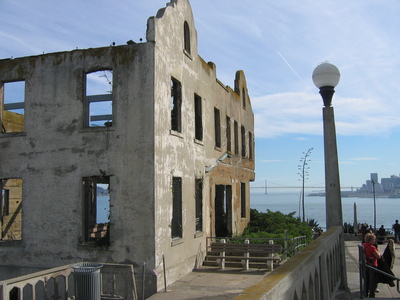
[(372, 255)]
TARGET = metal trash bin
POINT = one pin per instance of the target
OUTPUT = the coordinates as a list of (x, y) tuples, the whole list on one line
[(87, 281)]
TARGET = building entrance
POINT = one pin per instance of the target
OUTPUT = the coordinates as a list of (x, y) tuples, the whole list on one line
[(223, 210)]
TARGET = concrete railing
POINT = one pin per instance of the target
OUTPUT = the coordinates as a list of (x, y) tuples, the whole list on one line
[(316, 272), (117, 282)]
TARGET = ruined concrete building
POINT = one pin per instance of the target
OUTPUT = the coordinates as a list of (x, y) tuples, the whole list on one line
[(149, 127)]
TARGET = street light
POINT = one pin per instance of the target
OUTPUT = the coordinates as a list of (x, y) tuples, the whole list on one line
[(326, 77)]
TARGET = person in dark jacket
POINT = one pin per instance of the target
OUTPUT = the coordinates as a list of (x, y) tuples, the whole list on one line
[(396, 228)]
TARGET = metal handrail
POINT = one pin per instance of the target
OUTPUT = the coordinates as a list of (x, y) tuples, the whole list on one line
[(386, 274), (363, 266)]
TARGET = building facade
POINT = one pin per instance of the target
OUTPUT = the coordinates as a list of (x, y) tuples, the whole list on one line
[(149, 127)]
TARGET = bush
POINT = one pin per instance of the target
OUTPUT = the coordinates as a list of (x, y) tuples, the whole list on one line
[(273, 225)]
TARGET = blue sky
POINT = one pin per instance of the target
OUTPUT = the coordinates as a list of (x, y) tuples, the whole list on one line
[(277, 44)]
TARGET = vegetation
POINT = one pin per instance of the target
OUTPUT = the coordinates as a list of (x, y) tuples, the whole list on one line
[(273, 225)]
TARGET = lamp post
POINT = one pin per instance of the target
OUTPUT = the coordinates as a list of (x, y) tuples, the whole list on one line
[(373, 191), (326, 76)]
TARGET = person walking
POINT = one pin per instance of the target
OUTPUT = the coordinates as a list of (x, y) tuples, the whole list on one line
[(396, 228)]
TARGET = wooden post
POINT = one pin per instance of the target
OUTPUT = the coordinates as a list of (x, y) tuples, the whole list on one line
[(221, 261), (270, 263), (245, 262)]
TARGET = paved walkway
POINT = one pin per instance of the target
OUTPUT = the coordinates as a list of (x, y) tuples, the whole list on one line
[(210, 283)]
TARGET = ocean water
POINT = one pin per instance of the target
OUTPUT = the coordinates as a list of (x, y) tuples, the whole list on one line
[(387, 209)]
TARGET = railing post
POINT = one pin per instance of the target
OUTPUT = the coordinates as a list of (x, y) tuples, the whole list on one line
[(245, 262), (221, 261), (285, 244), (270, 263)]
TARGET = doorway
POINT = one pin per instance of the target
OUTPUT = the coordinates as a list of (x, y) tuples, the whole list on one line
[(223, 210)]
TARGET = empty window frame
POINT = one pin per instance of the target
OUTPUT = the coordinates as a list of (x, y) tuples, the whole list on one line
[(12, 106), (199, 203), (176, 105), (243, 134), (251, 143), (198, 118), (186, 37), (99, 99), (217, 127), (243, 200), (244, 98), (228, 134), (97, 209), (11, 209), (236, 136), (176, 224)]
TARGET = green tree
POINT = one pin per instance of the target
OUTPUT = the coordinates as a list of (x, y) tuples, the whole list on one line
[(274, 224)]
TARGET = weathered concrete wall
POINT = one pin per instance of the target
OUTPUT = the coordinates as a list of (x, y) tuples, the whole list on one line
[(139, 152), (178, 154), (56, 151)]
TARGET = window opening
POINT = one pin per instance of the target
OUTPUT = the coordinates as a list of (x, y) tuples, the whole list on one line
[(97, 209), (176, 104), (99, 95), (236, 137), (13, 106), (244, 98), (199, 203), (11, 209), (243, 199), (186, 34), (243, 133), (228, 134), (198, 118), (217, 127), (250, 145), (176, 224)]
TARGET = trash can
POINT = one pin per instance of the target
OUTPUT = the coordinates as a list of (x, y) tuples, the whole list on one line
[(87, 281)]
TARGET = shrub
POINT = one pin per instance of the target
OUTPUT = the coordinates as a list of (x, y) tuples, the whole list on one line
[(273, 225)]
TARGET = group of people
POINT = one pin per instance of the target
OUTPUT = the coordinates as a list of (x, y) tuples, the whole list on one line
[(375, 259)]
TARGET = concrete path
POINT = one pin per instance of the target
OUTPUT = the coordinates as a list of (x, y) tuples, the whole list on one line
[(211, 283)]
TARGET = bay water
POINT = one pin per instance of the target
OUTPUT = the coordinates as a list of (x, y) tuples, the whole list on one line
[(387, 209)]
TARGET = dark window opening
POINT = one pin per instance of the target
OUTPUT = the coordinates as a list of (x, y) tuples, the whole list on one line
[(236, 137), (11, 209), (176, 105), (243, 200), (199, 203), (250, 145), (186, 35), (198, 118), (243, 133), (228, 134), (97, 209), (217, 127), (99, 98), (176, 224), (244, 98), (12, 106)]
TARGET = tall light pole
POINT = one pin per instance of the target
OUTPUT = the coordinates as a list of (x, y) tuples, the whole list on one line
[(326, 77), (373, 191)]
